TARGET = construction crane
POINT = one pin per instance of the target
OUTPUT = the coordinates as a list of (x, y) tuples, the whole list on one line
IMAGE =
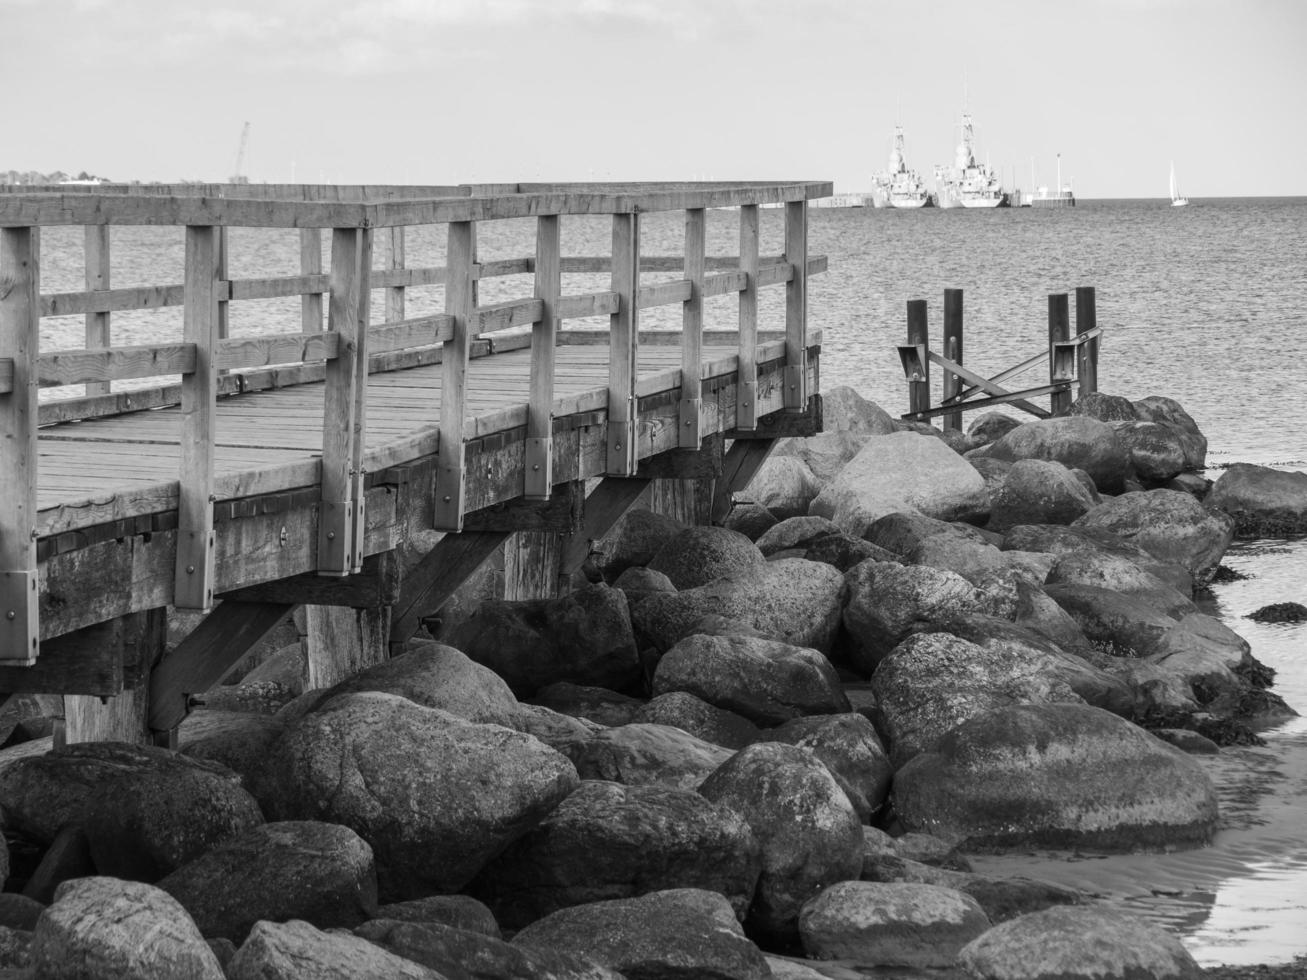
[(237, 176)]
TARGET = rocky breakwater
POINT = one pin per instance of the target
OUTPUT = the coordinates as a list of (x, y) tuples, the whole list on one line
[(749, 751)]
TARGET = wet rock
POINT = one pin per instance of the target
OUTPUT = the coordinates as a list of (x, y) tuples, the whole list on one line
[(1168, 413), (322, 873), (1104, 407), (1262, 502), (435, 796), (1069, 942), (1157, 451), (699, 555), (598, 704), (1170, 526), (888, 602), (641, 754), (808, 829), (766, 681), (461, 912), (850, 748), (1077, 442), (880, 924), (927, 477), (109, 928), (1037, 491), (145, 811), (608, 841), (584, 637), (684, 932), (1057, 775), (633, 540), (456, 953), (795, 600), (931, 683), (683, 710), (1280, 612), (294, 950), (438, 676), (1187, 741)]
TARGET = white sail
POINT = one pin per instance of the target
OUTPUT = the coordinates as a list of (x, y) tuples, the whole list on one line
[(1176, 200)]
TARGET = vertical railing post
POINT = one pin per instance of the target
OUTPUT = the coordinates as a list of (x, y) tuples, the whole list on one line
[(953, 351), (20, 330), (624, 346), (796, 306), (1087, 352), (692, 329), (919, 334), (746, 402), (1059, 330), (311, 265), (224, 286), (395, 262), (460, 302), (544, 334), (96, 239), (341, 516), (193, 581)]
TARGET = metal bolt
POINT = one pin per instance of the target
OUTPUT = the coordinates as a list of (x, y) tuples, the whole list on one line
[(190, 569), (35, 534), (331, 535), (446, 498), (11, 615)]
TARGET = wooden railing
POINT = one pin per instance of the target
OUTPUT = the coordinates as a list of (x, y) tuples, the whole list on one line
[(212, 364)]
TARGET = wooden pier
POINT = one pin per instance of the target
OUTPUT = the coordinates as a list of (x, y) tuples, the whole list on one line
[(291, 468)]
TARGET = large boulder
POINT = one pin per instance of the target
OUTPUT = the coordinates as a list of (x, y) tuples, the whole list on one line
[(888, 602), (1038, 491), (295, 950), (844, 410), (439, 676), (1168, 412), (111, 929), (785, 485), (932, 682), (826, 453), (320, 872), (633, 540), (989, 427), (1075, 441), (683, 710), (462, 912), (1170, 525), (1156, 450), (681, 932), (239, 740), (435, 796), (810, 834), (460, 953), (904, 471), (1070, 943), (641, 754), (608, 841), (584, 637), (699, 555), (877, 924), (1262, 502), (1105, 407), (1082, 540), (849, 747), (1056, 775), (766, 681), (793, 599), (145, 811), (597, 704)]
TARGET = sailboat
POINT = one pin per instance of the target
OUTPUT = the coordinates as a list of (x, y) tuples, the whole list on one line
[(1176, 200)]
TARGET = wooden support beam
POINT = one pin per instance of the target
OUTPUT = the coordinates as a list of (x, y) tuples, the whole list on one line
[(341, 642), (796, 306), (919, 337), (624, 347), (538, 464), (604, 507), (86, 661), (691, 408), (561, 513), (703, 463), (374, 586), (121, 717), (1061, 363), (460, 303), (746, 399), (742, 462), (786, 424), (208, 655), (426, 586), (20, 332), (1087, 356), (953, 351)]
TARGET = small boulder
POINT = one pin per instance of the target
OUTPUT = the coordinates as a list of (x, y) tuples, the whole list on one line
[(683, 710), (294, 950), (1075, 441), (633, 540), (598, 704), (608, 841), (1169, 525), (699, 555), (850, 748), (1168, 412), (642, 754), (989, 427), (461, 912), (1104, 407), (750, 519), (1037, 491), (826, 453), (785, 485), (1262, 502), (239, 740), (1157, 451), (844, 410)]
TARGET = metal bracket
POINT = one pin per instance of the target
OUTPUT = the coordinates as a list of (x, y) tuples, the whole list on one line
[(193, 581), (1064, 360), (913, 357), (538, 457), (746, 407), (451, 492), (621, 448), (796, 397), (335, 537), (690, 423), (20, 631), (359, 529)]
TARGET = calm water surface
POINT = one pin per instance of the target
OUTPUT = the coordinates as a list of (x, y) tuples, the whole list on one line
[(1204, 304)]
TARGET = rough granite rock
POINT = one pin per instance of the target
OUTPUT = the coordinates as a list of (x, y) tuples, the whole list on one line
[(699, 555), (640, 754), (296, 950), (850, 748), (1075, 441), (1261, 501)]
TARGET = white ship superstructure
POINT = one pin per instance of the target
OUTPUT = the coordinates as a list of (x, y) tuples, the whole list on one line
[(899, 187), (968, 184)]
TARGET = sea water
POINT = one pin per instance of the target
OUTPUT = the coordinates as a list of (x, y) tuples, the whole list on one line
[(1203, 304)]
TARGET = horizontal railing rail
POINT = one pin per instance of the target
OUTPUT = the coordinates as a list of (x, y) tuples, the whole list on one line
[(338, 345)]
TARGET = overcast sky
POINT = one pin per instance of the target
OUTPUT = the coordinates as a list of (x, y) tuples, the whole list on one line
[(453, 91)]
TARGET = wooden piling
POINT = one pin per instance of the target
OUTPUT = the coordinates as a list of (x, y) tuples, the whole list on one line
[(1059, 330), (953, 351), (96, 239), (918, 334), (1087, 354)]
